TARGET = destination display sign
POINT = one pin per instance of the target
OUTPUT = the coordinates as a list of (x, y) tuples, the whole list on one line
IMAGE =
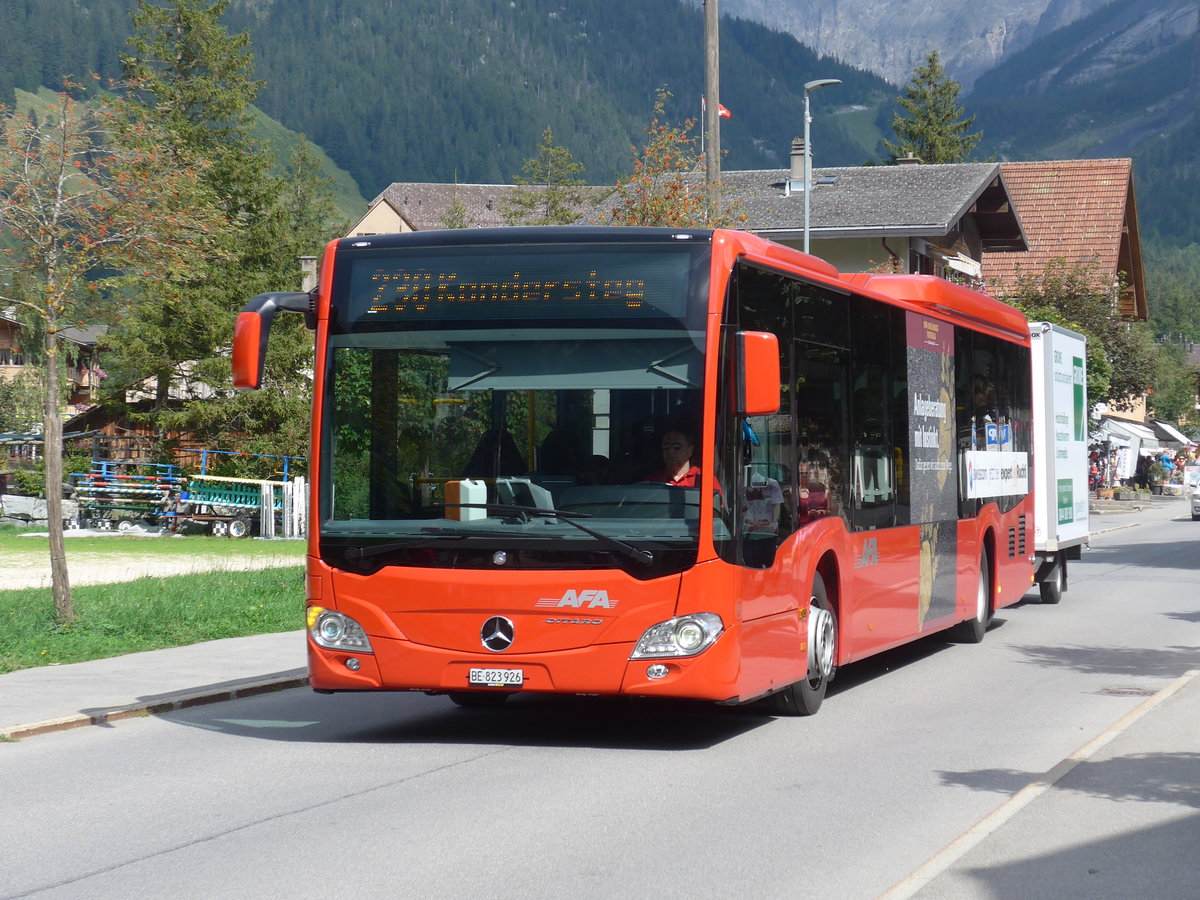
[(483, 283)]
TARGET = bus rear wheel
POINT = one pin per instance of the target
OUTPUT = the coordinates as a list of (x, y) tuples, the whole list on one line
[(804, 697), (973, 630)]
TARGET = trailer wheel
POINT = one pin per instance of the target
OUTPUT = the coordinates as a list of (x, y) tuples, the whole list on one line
[(125, 525), (239, 528), (804, 697), (1052, 590), (973, 630)]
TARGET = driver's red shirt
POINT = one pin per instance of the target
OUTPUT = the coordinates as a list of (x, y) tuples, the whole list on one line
[(690, 478)]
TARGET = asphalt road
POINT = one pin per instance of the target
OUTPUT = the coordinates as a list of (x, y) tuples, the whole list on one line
[(301, 795)]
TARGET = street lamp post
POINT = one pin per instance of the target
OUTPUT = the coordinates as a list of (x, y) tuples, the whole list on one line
[(809, 87)]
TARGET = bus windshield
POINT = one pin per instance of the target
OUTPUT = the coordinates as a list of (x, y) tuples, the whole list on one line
[(449, 436)]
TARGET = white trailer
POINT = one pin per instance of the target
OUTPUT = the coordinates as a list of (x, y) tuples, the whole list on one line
[(1060, 454)]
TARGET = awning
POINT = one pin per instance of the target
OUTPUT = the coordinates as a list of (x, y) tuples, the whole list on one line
[(1137, 435), (966, 265), (1171, 433)]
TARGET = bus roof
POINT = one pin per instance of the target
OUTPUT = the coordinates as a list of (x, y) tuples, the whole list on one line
[(526, 234)]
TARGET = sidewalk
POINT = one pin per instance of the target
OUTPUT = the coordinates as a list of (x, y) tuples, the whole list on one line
[(1117, 819), (54, 698)]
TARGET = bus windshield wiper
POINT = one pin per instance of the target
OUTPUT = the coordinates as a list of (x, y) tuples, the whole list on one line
[(525, 513), (353, 553)]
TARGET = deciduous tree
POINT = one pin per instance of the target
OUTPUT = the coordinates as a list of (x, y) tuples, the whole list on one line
[(1082, 297), (86, 212), (666, 187)]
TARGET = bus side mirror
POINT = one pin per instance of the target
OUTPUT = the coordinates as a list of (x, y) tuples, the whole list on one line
[(757, 373), (252, 329)]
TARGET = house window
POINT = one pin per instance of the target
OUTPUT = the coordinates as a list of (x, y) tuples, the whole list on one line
[(920, 264)]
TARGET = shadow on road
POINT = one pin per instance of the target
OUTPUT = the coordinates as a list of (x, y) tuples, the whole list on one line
[(525, 721), (1153, 862), (1139, 860), (1177, 555), (1142, 777), (1167, 662)]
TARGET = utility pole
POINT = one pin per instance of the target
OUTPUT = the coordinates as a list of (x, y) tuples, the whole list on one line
[(712, 109)]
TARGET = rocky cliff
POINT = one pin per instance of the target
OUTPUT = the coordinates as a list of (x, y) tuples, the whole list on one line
[(891, 38)]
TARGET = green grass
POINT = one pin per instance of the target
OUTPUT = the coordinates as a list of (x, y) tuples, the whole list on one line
[(31, 541), (148, 614), (18, 552)]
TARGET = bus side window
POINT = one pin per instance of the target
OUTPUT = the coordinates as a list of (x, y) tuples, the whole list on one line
[(872, 477)]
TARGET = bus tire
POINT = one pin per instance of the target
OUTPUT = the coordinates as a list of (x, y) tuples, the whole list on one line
[(478, 699), (973, 630), (1052, 590), (239, 528), (804, 697)]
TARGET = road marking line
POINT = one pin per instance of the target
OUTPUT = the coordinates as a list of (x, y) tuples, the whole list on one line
[(989, 824)]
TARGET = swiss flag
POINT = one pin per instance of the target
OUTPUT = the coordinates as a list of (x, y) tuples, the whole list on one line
[(722, 112)]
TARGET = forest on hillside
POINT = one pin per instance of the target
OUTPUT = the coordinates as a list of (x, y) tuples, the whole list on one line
[(438, 90), (445, 90)]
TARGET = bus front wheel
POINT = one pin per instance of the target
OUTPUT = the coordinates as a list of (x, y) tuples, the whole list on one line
[(804, 697)]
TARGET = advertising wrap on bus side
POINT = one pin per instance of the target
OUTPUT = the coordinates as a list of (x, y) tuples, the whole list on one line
[(1060, 466)]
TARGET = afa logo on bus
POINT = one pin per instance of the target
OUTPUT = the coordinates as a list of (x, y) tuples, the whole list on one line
[(594, 599)]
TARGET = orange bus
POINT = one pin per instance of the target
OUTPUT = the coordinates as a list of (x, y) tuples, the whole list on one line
[(647, 462)]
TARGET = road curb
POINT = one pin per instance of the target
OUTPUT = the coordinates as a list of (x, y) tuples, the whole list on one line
[(161, 704)]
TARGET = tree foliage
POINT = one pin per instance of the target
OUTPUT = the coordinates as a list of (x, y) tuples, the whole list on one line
[(186, 74), (551, 190), (1174, 396), (455, 215), (665, 187), (1082, 297), (89, 208), (934, 129)]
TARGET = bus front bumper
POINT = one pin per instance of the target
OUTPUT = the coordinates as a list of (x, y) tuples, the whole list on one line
[(600, 669)]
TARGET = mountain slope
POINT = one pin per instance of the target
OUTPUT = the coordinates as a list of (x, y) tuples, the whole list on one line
[(437, 90), (1124, 81), (464, 89)]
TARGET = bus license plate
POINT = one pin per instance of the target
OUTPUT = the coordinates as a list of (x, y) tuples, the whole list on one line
[(497, 677)]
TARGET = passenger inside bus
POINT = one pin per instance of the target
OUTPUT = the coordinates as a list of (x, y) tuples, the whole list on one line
[(495, 454), (814, 498)]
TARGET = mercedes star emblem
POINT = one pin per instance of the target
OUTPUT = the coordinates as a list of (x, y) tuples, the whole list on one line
[(497, 633)]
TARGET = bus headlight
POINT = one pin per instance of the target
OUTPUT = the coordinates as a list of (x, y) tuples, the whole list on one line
[(684, 636), (335, 631)]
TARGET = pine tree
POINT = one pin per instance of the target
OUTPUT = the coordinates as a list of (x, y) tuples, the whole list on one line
[(934, 130), (455, 215), (189, 76), (550, 192)]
